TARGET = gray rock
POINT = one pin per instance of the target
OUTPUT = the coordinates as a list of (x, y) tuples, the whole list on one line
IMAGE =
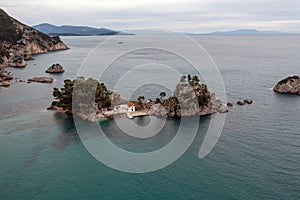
[(289, 85), (18, 63), (55, 68), (229, 104), (222, 109), (5, 84), (240, 103), (28, 57), (5, 78), (204, 110), (41, 80), (248, 101), (158, 110)]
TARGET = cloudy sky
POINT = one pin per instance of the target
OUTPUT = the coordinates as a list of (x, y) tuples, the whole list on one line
[(197, 16)]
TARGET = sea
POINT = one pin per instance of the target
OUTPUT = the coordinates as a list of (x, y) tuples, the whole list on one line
[(256, 155)]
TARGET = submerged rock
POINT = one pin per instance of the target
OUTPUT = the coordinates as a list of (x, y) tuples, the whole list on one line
[(289, 85), (55, 68), (41, 80)]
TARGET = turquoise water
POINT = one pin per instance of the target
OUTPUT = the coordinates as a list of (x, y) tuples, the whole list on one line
[(256, 157)]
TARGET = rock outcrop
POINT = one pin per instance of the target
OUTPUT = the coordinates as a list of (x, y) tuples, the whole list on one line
[(55, 68), (229, 104), (5, 78), (18, 63), (158, 110), (289, 85), (28, 57), (248, 101), (17, 39), (241, 103), (41, 79), (222, 109), (190, 98)]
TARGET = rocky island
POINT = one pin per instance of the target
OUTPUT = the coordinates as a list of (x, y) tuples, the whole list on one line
[(189, 98), (289, 85), (41, 80), (18, 41), (55, 68)]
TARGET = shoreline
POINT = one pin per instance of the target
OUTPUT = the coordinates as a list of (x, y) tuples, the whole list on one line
[(102, 116), (190, 98)]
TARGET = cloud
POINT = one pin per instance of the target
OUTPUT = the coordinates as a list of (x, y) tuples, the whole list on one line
[(180, 15)]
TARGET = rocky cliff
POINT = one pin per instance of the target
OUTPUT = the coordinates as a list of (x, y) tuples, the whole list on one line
[(18, 40), (55, 68), (190, 98), (289, 85)]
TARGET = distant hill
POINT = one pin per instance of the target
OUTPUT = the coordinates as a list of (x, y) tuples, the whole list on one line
[(149, 32), (234, 32), (53, 30), (18, 40), (246, 32)]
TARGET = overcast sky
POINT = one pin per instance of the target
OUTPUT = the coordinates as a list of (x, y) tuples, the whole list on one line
[(197, 16)]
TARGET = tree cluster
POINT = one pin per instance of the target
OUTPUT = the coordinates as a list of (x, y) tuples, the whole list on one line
[(84, 94)]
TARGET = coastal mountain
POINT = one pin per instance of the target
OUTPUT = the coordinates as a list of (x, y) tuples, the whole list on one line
[(18, 40), (53, 30), (234, 32), (246, 32), (150, 32)]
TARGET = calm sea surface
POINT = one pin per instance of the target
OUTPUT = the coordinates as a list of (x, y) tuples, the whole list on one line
[(256, 157)]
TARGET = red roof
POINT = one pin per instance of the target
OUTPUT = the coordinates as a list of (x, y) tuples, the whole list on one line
[(130, 104)]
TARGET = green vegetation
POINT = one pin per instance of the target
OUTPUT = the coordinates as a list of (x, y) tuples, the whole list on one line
[(195, 80), (157, 100), (191, 80), (140, 100), (162, 95), (87, 94), (3, 52), (171, 103), (8, 29), (90, 95), (64, 96), (200, 90)]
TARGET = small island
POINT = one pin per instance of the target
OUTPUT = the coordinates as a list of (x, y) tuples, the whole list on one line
[(289, 85), (190, 98), (55, 68), (41, 80)]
